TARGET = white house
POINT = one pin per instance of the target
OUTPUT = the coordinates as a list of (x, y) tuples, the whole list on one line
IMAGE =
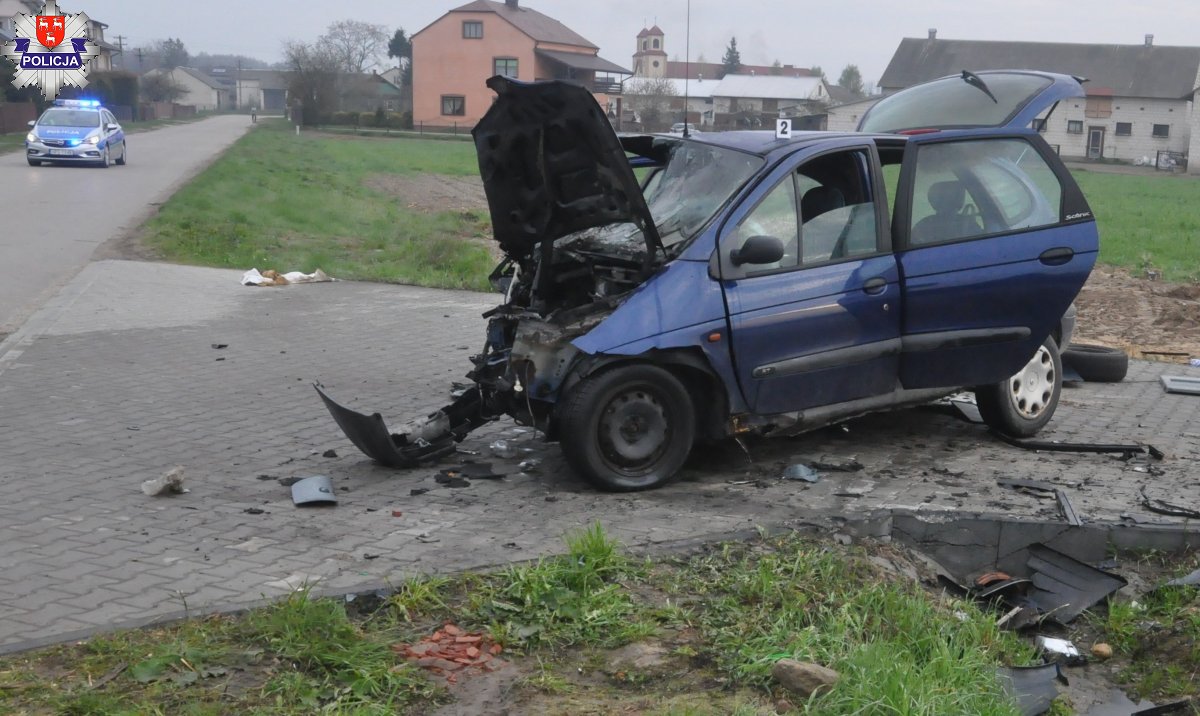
[(736, 101), (201, 90), (1139, 97)]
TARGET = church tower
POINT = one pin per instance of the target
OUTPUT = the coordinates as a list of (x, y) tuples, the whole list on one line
[(650, 60)]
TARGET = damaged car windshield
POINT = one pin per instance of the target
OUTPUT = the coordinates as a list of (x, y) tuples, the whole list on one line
[(696, 180)]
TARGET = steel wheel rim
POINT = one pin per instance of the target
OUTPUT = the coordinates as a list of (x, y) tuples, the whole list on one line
[(634, 431), (1032, 388)]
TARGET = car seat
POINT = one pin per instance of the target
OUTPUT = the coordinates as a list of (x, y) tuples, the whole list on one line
[(947, 222)]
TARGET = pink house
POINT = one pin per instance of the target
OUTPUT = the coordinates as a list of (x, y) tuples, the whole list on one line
[(454, 56)]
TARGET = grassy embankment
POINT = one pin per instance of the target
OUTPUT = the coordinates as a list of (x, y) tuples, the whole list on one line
[(287, 202)]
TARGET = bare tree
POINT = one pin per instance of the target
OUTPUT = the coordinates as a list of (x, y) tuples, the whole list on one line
[(161, 87), (355, 44), (313, 81), (651, 98)]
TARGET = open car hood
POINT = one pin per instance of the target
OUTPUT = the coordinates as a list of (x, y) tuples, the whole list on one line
[(552, 165)]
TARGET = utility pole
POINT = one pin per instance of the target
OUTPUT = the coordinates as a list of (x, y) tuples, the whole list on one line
[(238, 86), (121, 49), (141, 65)]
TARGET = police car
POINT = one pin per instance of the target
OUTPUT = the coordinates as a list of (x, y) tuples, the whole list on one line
[(76, 131)]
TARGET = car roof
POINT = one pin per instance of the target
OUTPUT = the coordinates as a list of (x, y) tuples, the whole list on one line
[(763, 142)]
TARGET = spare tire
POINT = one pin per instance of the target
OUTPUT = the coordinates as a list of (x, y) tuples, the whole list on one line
[(1097, 364)]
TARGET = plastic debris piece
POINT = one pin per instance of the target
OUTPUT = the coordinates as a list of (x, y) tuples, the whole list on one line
[(1063, 587), (1163, 507), (1059, 650), (800, 471), (1032, 687), (314, 491), (533, 464), (1184, 385), (503, 449), (171, 483)]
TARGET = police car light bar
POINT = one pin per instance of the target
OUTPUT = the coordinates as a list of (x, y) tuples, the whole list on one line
[(77, 103)]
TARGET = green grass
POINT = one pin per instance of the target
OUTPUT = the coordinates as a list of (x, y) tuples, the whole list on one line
[(1147, 221), (726, 617), (290, 203)]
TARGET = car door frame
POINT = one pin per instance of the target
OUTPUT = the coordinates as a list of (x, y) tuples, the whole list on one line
[(805, 367)]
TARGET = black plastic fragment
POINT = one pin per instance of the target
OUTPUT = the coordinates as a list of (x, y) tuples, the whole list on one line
[(1163, 507), (472, 471), (1065, 508), (370, 434), (1033, 687), (1063, 587), (1127, 450)]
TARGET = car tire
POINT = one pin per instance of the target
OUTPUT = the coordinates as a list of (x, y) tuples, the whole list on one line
[(1097, 364), (124, 151), (1022, 405), (628, 428), (105, 159), (34, 163)]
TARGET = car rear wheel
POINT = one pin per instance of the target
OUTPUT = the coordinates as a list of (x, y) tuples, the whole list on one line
[(1023, 404), (628, 428), (124, 151)]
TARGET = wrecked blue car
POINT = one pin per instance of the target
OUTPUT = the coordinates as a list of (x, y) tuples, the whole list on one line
[(663, 289)]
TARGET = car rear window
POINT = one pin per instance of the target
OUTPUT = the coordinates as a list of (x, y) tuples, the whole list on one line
[(953, 102)]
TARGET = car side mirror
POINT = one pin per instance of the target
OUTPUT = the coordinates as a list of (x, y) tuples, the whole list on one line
[(32, 123), (758, 250), (113, 127)]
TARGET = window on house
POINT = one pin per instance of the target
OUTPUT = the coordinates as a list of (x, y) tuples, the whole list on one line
[(1039, 124), (1162, 130), (1098, 107), (473, 29), (454, 105), (1124, 129), (1075, 126), (506, 66)]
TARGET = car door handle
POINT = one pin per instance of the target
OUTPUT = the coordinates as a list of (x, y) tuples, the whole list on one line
[(875, 286), (1058, 256)]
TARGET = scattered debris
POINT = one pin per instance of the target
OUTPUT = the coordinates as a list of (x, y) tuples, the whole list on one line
[(368, 556), (1190, 580), (1063, 587), (836, 464), (420, 441), (220, 346), (968, 409), (1061, 650), (1102, 651), (1163, 507), (503, 449), (453, 482), (803, 678), (1065, 508), (1185, 385), (457, 390), (289, 481), (530, 465), (254, 511), (471, 471), (417, 491), (450, 651), (397, 513), (427, 538), (1033, 687), (270, 277), (800, 471), (171, 483), (1126, 450), (313, 491), (329, 453)]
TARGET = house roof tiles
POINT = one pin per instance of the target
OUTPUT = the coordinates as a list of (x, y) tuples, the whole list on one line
[(542, 28)]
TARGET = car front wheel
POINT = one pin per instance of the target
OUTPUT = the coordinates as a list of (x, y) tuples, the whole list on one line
[(124, 151), (105, 159), (628, 428), (1023, 404)]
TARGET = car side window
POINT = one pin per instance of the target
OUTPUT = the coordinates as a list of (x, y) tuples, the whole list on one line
[(837, 208), (976, 188), (774, 216)]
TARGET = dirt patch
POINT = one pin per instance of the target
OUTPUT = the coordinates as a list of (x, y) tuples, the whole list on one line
[(1147, 318), (432, 193)]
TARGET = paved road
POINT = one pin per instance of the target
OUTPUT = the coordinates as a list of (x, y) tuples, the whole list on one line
[(55, 217), (115, 380)]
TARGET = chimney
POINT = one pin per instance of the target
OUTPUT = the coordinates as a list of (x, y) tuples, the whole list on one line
[(933, 33), (511, 3), (1149, 40)]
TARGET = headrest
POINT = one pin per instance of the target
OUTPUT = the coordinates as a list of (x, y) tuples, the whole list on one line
[(819, 200), (947, 197)]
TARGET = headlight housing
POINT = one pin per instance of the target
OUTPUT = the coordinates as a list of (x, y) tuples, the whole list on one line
[(93, 140), (31, 137)]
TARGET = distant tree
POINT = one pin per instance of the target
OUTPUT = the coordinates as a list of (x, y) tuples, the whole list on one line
[(400, 46), (313, 81), (776, 67), (852, 80), (161, 87), (732, 61), (356, 45), (818, 72), (651, 98), (172, 54)]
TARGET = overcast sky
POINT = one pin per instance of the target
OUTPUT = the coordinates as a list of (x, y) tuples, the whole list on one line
[(800, 32)]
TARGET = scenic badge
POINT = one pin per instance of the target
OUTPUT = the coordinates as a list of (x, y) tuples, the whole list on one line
[(51, 50)]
